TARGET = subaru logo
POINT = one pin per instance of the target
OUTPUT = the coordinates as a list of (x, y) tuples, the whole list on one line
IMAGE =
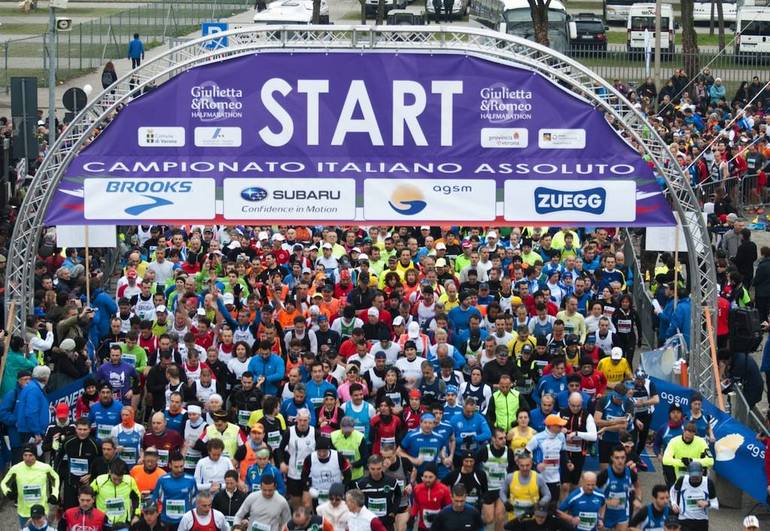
[(254, 194), (548, 200)]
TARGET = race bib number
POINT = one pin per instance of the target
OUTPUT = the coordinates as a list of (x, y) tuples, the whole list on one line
[(128, 455), (378, 506), (115, 508), (103, 431), (130, 359), (274, 439), (32, 494), (691, 501), (428, 454), (191, 459), (259, 526), (496, 475), (428, 515), (520, 508), (78, 466), (360, 428), (587, 520), (387, 440), (163, 458), (243, 417), (175, 508)]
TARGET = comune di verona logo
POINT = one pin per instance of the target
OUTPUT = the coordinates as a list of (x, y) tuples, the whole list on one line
[(407, 200)]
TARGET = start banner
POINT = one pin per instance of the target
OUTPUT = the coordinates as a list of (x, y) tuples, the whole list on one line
[(372, 137)]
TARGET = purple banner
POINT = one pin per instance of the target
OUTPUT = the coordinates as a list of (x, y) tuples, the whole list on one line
[(367, 137)]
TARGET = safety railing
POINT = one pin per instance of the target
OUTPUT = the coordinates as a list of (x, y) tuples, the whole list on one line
[(642, 298)]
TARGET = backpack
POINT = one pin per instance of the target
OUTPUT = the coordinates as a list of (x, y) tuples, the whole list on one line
[(745, 330), (106, 79)]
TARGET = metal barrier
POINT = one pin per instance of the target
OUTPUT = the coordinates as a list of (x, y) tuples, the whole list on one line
[(91, 43), (641, 297)]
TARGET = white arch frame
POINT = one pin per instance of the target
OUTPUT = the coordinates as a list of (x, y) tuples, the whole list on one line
[(439, 39)]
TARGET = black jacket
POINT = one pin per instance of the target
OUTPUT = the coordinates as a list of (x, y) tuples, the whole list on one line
[(761, 280), (228, 505)]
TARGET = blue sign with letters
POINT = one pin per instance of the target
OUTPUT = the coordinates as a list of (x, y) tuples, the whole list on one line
[(739, 456), (548, 200), (209, 28)]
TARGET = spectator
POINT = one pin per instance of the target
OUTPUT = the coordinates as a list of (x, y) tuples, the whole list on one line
[(136, 51)]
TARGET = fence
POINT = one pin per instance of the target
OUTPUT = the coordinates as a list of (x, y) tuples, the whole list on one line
[(91, 43), (630, 67), (641, 297)]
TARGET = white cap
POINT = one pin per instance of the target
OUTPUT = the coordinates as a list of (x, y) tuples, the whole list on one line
[(491, 234), (398, 320), (315, 310), (201, 311), (616, 353), (326, 245), (413, 330), (278, 237), (425, 227), (363, 256), (355, 250), (160, 309), (751, 521), (440, 245), (373, 311), (228, 298), (262, 235)]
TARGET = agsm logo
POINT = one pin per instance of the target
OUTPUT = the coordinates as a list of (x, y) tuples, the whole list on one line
[(407, 200), (548, 200)]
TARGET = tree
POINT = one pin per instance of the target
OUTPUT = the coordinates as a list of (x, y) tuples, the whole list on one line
[(363, 11), (539, 9), (689, 39), (316, 11), (380, 13), (721, 25)]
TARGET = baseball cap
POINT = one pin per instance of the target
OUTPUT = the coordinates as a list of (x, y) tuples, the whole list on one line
[(398, 320), (440, 245), (62, 411), (160, 309), (526, 348), (344, 274), (278, 237), (491, 234), (317, 294), (695, 469), (228, 298), (617, 353), (466, 244), (326, 245), (441, 262), (373, 311), (149, 506), (640, 373), (323, 443), (451, 389), (424, 227), (363, 257), (555, 420), (37, 511), (67, 345), (257, 428), (541, 511), (751, 521), (380, 355), (131, 273), (262, 235), (413, 330), (415, 393)]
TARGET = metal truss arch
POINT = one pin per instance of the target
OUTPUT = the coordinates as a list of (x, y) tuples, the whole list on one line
[(481, 43)]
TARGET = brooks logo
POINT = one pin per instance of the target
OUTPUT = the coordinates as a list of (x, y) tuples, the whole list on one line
[(156, 202), (548, 200)]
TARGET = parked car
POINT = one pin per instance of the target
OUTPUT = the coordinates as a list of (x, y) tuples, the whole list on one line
[(590, 33)]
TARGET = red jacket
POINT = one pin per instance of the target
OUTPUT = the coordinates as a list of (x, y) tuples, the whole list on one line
[(381, 431), (429, 501), (595, 385), (75, 519)]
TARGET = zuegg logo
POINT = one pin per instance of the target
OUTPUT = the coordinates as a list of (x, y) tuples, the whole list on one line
[(549, 200), (407, 200), (254, 194)]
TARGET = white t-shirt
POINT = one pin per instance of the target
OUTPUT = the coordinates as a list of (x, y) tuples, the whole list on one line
[(410, 369), (208, 471)]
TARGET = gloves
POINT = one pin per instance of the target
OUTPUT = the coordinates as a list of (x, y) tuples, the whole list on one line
[(686, 461), (468, 440), (508, 506), (53, 500)]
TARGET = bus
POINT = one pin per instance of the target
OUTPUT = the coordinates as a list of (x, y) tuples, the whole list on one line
[(291, 12), (616, 10), (514, 17)]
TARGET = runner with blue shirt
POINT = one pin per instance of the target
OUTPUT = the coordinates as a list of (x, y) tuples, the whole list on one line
[(105, 414), (175, 491), (584, 508), (620, 486), (423, 446)]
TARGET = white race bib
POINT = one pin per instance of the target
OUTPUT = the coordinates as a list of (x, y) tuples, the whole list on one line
[(175, 508), (78, 466)]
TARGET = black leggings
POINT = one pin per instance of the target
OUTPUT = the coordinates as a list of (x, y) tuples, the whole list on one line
[(642, 434)]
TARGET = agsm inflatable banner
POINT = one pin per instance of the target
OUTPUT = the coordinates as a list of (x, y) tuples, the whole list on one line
[(370, 137), (739, 456)]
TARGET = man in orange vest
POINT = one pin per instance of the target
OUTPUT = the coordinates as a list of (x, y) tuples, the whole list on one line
[(246, 454)]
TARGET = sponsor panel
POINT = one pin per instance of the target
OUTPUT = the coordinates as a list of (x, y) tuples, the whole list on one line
[(161, 136), (289, 199), (138, 199), (504, 137), (570, 201), (429, 199), (218, 137), (561, 138)]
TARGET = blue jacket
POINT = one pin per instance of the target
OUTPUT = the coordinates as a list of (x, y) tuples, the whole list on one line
[(8, 415), (272, 369), (551, 385), (680, 320), (135, 49), (476, 427), (764, 368), (315, 392), (105, 309), (254, 478), (289, 410), (32, 413)]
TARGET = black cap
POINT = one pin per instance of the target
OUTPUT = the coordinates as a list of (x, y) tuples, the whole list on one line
[(672, 520), (542, 341), (23, 374), (37, 511), (323, 443), (29, 448)]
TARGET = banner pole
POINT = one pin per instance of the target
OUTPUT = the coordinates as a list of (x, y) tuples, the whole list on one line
[(714, 362), (7, 340), (676, 265), (88, 267)]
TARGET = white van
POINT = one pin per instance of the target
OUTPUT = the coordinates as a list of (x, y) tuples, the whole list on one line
[(641, 18), (290, 12), (752, 31)]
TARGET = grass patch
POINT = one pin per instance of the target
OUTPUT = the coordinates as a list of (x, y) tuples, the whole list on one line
[(25, 28), (7, 11), (619, 37)]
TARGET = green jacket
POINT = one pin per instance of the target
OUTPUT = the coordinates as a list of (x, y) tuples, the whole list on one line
[(16, 362), (32, 485), (697, 450), (119, 502)]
